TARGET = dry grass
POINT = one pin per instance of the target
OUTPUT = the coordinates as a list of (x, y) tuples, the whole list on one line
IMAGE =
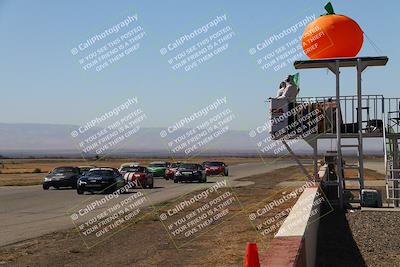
[(21, 179)]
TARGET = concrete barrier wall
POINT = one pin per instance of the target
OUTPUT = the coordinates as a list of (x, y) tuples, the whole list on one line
[(295, 244)]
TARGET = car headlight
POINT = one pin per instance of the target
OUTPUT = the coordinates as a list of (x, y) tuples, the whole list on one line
[(47, 179), (81, 182), (178, 173)]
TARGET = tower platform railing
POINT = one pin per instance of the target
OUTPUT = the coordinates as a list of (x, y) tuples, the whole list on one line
[(317, 116)]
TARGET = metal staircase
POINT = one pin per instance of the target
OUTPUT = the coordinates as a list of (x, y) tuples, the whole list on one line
[(391, 151), (352, 185)]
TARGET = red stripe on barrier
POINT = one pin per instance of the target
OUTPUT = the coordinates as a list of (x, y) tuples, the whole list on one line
[(286, 251)]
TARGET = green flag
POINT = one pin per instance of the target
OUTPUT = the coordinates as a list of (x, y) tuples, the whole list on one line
[(296, 79), (329, 8)]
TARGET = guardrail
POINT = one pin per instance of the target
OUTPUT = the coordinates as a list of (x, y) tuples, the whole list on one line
[(374, 109), (295, 244)]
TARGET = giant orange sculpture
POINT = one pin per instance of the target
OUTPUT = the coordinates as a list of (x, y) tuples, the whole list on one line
[(332, 36)]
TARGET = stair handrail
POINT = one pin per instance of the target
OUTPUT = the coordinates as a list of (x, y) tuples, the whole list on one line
[(384, 138)]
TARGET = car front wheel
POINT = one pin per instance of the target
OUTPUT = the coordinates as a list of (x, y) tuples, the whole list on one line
[(110, 190), (45, 187), (79, 191)]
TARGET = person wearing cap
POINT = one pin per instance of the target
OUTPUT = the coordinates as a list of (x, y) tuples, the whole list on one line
[(287, 89)]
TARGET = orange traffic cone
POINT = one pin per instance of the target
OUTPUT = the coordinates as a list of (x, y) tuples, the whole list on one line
[(251, 259)]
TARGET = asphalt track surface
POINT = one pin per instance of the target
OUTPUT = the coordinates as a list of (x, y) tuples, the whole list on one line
[(29, 211)]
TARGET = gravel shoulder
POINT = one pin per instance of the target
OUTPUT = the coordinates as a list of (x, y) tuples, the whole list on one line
[(376, 234), (360, 238)]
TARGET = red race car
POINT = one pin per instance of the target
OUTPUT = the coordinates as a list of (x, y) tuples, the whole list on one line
[(215, 168), (170, 171), (139, 175)]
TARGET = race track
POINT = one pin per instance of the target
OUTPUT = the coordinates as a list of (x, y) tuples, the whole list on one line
[(29, 211)]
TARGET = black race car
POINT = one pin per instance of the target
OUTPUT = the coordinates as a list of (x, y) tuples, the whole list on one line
[(85, 169), (62, 177), (190, 172), (100, 180)]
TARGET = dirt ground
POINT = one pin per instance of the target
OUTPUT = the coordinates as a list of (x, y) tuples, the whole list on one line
[(16, 172), (369, 174), (146, 243)]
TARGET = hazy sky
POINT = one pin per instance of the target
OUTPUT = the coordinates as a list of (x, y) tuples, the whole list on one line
[(42, 82)]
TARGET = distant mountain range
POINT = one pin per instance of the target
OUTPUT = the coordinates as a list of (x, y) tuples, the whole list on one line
[(25, 139), (51, 139)]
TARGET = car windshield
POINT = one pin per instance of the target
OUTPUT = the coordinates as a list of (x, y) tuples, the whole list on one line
[(157, 165), (175, 165), (188, 166), (100, 173), (129, 164), (134, 169), (214, 164), (63, 170)]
